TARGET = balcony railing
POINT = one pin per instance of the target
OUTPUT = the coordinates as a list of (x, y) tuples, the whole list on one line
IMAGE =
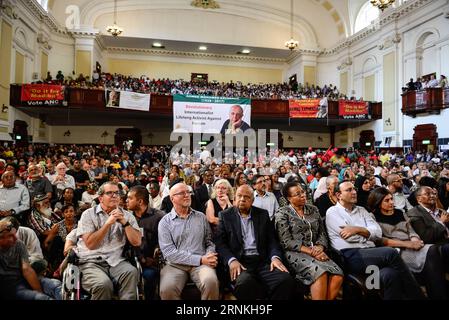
[(430, 100), (79, 98)]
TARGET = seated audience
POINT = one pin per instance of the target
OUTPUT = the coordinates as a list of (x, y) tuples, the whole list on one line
[(18, 280), (352, 231), (185, 239), (255, 266), (422, 259), (302, 236), (221, 199)]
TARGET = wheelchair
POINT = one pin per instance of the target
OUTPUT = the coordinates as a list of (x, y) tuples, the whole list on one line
[(72, 277)]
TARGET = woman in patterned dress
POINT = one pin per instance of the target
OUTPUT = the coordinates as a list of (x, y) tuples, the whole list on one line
[(302, 236)]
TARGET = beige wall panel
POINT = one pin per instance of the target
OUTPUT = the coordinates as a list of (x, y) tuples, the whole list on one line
[(389, 89), (83, 63), (309, 75), (157, 69), (5, 65), (368, 84)]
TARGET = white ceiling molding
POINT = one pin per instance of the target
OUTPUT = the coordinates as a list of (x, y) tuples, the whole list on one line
[(199, 55), (93, 10)]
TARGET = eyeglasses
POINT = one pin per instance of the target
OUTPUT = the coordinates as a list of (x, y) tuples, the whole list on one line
[(299, 194), (112, 193), (184, 193)]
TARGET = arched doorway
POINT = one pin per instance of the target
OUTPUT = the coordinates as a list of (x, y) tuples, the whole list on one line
[(425, 137), (127, 134), (367, 140), (20, 133)]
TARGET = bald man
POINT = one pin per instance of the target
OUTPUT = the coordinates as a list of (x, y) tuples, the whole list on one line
[(185, 240), (235, 123), (247, 246)]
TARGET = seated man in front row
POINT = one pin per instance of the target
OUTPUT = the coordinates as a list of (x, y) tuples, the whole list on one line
[(103, 232), (353, 230), (185, 239), (246, 243), (18, 280)]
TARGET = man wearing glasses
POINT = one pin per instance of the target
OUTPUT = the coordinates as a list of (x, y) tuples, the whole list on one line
[(353, 230), (103, 232), (264, 199), (18, 280), (185, 240)]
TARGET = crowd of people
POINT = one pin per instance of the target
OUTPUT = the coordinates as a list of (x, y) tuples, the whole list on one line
[(290, 224), (426, 82), (231, 89)]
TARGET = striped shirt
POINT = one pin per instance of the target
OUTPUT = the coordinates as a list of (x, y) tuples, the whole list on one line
[(185, 241)]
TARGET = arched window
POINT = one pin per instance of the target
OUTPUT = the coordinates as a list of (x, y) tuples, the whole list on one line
[(44, 4), (367, 14)]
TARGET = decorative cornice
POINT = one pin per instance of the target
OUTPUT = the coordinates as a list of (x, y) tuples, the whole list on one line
[(42, 15), (195, 55), (391, 15), (7, 9), (345, 64), (44, 41), (390, 41)]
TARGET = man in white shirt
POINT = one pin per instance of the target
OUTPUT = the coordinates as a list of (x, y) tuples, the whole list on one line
[(395, 185), (264, 199), (353, 230)]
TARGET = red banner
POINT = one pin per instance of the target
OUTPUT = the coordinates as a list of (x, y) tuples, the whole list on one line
[(307, 108), (349, 109), (42, 92)]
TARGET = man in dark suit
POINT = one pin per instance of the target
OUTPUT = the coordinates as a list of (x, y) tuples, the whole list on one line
[(203, 192), (246, 244), (235, 123), (429, 222)]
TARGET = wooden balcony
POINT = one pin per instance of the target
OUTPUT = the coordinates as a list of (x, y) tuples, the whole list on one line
[(162, 105), (430, 100)]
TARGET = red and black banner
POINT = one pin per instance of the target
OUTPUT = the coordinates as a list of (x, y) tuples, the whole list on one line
[(42, 95), (348, 109)]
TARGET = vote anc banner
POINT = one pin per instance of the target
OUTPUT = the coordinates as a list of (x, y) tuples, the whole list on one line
[(204, 114), (305, 108), (42, 94), (349, 109), (128, 100)]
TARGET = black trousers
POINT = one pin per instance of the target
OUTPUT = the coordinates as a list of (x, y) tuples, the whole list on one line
[(396, 279), (258, 282), (433, 274)]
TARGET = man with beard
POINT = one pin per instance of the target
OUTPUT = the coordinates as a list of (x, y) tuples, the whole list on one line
[(14, 199), (396, 185), (37, 184), (40, 218)]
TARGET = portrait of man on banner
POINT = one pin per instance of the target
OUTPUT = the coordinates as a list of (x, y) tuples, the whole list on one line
[(322, 111), (235, 123), (112, 98)]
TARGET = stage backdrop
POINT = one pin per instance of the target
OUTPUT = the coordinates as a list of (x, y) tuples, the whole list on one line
[(128, 100), (204, 114)]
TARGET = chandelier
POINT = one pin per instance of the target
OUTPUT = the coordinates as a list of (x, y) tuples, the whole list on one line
[(114, 30), (382, 4), (291, 44)]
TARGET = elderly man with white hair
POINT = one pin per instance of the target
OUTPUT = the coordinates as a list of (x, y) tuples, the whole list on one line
[(62, 180), (14, 198)]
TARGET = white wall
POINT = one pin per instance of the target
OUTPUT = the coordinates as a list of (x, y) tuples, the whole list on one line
[(62, 56), (302, 139)]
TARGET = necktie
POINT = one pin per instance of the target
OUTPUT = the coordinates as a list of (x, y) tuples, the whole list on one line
[(209, 190)]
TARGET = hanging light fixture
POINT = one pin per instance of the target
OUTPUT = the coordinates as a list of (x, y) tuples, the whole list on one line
[(382, 4), (114, 30), (292, 44)]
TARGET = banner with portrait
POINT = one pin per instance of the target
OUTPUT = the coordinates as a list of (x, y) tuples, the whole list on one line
[(349, 109), (42, 95), (128, 100), (308, 108), (204, 114)]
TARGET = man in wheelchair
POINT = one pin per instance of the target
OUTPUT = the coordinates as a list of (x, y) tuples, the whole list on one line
[(103, 232)]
